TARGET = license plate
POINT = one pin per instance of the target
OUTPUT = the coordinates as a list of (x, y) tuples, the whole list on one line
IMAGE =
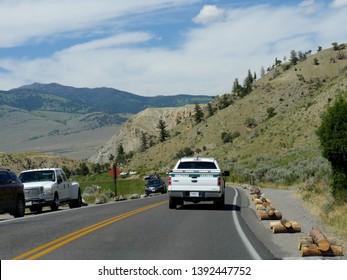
[(28, 203), (194, 194)]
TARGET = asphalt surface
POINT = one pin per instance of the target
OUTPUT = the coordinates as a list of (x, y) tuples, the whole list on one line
[(141, 229)]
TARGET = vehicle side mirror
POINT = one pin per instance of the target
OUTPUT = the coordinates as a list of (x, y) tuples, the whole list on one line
[(59, 180), (226, 173)]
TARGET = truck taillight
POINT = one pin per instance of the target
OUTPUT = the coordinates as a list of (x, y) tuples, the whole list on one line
[(169, 181), (219, 180)]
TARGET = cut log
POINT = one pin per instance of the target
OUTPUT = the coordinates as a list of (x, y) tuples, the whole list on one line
[(257, 201), (286, 223), (335, 250), (270, 210), (263, 215), (274, 223), (308, 239), (260, 207), (310, 250), (313, 250), (319, 239), (255, 190), (304, 241), (266, 203), (280, 228)]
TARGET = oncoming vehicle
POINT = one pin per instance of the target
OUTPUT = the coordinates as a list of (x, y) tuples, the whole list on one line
[(11, 194), (155, 186)]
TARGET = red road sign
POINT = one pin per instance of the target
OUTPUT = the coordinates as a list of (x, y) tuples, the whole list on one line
[(111, 172)]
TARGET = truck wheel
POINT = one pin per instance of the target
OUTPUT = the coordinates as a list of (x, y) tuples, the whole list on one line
[(77, 202), (55, 203), (20, 208), (172, 203), (219, 203)]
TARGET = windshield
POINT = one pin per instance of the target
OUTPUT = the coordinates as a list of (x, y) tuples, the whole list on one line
[(154, 182), (197, 165), (37, 176)]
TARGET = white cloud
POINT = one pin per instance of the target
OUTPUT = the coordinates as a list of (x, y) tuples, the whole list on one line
[(339, 3), (207, 62), (309, 6), (114, 41), (208, 14), (24, 20)]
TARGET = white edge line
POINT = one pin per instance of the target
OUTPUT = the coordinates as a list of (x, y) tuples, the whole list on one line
[(243, 236)]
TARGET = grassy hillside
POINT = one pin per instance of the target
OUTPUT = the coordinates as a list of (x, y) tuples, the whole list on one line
[(281, 147)]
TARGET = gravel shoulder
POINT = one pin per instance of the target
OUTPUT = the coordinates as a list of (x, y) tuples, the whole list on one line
[(284, 245)]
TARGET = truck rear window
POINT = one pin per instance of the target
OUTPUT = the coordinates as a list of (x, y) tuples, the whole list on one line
[(196, 165)]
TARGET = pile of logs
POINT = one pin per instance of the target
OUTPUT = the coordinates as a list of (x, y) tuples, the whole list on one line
[(285, 226), (317, 244), (265, 211)]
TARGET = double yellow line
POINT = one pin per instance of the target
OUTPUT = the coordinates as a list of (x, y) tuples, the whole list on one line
[(51, 246)]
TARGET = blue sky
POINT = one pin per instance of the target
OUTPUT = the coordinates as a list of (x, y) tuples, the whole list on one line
[(158, 47)]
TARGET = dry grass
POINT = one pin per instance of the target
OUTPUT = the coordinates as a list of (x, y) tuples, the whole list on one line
[(318, 199)]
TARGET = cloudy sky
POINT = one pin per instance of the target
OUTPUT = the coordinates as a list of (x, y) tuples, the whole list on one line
[(158, 47)]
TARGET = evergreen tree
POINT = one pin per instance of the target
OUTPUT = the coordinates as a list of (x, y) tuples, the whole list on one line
[(332, 134), (144, 142), (210, 109), (199, 114), (163, 133), (121, 156), (293, 57)]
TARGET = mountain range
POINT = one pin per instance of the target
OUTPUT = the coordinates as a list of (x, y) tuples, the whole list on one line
[(57, 119)]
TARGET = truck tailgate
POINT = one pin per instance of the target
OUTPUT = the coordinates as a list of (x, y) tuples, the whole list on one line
[(194, 181)]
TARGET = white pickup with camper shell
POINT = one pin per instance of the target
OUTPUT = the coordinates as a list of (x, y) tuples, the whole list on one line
[(196, 179), (49, 187)]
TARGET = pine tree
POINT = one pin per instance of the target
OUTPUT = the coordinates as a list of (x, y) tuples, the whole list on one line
[(199, 114), (144, 142), (163, 133)]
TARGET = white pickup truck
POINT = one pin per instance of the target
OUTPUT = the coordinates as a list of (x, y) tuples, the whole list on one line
[(196, 179), (49, 187)]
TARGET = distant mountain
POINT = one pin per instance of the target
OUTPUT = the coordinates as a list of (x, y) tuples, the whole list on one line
[(59, 98), (57, 119)]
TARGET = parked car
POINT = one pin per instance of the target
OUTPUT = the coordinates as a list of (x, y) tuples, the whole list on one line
[(11, 194), (155, 186)]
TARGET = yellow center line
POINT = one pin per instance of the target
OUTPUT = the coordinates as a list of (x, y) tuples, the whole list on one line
[(61, 241)]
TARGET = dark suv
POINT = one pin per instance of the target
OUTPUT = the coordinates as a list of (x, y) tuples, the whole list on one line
[(11, 194)]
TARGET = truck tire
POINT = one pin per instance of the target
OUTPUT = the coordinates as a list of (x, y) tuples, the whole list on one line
[(219, 203), (172, 203), (55, 203), (77, 202), (20, 208)]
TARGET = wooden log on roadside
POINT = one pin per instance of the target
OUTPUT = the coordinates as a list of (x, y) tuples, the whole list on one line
[(263, 215), (255, 190), (270, 210), (260, 207), (304, 240), (257, 201), (280, 228), (313, 250), (310, 250), (336, 250), (319, 239)]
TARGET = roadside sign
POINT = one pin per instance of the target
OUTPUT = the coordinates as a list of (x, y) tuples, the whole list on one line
[(111, 172)]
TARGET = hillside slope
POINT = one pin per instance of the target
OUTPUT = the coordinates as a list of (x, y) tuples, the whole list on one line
[(281, 147), (130, 135)]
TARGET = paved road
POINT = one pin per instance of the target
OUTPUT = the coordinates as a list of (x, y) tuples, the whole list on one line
[(135, 229)]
